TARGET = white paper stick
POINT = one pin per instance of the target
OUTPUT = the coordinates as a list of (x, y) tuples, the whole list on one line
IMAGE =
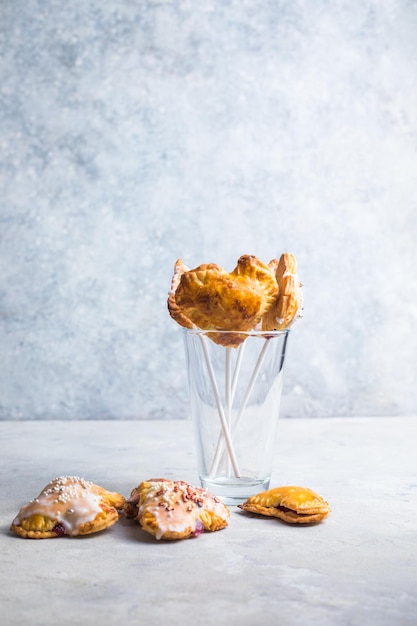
[(240, 352), (220, 447), (252, 382), (225, 429), (228, 385), (219, 453), (228, 396)]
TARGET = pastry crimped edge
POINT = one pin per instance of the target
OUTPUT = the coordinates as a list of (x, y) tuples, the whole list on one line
[(288, 305), (175, 510), (254, 296), (291, 503), (174, 310), (214, 299), (68, 506)]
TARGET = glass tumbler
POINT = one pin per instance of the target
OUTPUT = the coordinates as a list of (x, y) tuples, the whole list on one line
[(235, 384)]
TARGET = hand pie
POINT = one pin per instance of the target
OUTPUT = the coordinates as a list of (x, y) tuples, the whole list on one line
[(68, 506), (295, 505), (254, 296), (175, 510), (210, 298), (289, 303)]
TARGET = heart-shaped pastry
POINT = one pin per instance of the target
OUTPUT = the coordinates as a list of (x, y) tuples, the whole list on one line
[(293, 504), (209, 298), (173, 509), (68, 505)]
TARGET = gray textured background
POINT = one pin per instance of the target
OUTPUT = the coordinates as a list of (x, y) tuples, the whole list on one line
[(137, 132)]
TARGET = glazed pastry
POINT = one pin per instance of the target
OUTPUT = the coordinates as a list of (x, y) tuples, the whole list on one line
[(68, 505), (296, 505), (175, 510), (289, 302), (210, 298)]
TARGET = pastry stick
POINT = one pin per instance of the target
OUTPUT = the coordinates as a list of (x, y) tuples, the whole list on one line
[(236, 373), (230, 389), (223, 421), (228, 395), (220, 448)]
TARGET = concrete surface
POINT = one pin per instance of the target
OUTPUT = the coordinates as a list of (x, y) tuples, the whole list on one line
[(357, 567)]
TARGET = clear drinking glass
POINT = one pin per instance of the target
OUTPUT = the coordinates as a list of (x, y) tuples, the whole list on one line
[(235, 396)]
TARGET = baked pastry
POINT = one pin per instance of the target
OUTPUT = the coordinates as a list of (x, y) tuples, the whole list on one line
[(254, 296), (68, 505), (289, 302), (209, 298), (295, 505), (170, 509)]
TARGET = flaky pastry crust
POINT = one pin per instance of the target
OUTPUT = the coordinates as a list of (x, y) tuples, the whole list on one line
[(209, 298), (68, 505), (254, 296), (175, 311), (175, 510), (292, 504), (289, 302)]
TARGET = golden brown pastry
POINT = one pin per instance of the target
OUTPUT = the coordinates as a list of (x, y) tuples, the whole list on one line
[(209, 298), (179, 269), (289, 302), (68, 505), (295, 505), (254, 296), (175, 510)]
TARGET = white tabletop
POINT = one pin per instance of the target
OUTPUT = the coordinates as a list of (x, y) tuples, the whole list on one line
[(359, 566)]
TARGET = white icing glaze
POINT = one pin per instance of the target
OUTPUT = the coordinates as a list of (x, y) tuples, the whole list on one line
[(68, 500), (176, 505)]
